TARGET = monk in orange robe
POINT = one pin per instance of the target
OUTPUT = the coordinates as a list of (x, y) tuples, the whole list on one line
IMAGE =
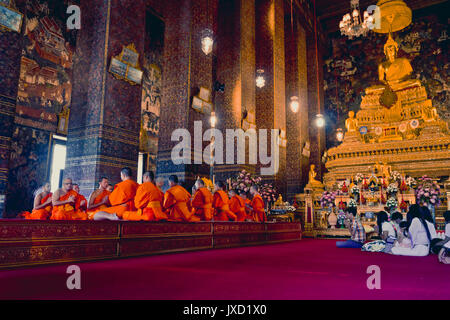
[(221, 204), (121, 199), (148, 201), (202, 202), (81, 202), (99, 199), (248, 205), (64, 200), (237, 205), (42, 208), (177, 201), (257, 206)]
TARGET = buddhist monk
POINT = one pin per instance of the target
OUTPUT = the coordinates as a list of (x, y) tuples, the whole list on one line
[(148, 201), (248, 205), (99, 199), (42, 207), (221, 202), (81, 202), (202, 201), (64, 200), (121, 199), (177, 202), (258, 212), (237, 205), (110, 187)]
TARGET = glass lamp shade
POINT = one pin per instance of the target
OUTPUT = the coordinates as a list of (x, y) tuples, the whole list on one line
[(339, 134), (320, 120), (260, 81), (207, 41), (213, 119), (294, 104)]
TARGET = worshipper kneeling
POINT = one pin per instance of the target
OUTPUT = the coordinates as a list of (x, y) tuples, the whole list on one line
[(357, 232), (237, 205), (121, 199), (67, 203), (221, 204), (177, 202), (148, 201), (42, 207), (202, 201), (257, 205), (388, 232), (99, 199)]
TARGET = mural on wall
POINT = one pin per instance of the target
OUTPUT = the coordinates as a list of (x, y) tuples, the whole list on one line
[(45, 88), (29, 155), (151, 88), (352, 66)]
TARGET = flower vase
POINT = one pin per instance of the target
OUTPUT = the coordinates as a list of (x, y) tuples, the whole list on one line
[(332, 218)]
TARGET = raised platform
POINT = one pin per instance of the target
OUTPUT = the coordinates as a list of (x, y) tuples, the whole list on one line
[(28, 242)]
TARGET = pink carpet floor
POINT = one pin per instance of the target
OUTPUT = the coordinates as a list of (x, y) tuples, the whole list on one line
[(306, 269)]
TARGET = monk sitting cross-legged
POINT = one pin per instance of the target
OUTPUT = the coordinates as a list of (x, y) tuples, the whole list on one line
[(121, 199), (259, 214), (237, 205), (148, 201), (202, 202), (248, 205), (177, 202), (42, 208), (64, 200), (221, 204), (81, 202), (98, 200)]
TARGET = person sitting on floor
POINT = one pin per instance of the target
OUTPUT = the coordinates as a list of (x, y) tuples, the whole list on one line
[(177, 202), (42, 204), (419, 234), (237, 205), (64, 201), (247, 204), (357, 232), (202, 201), (221, 204), (257, 206), (441, 243), (81, 203), (99, 199), (121, 199), (110, 187)]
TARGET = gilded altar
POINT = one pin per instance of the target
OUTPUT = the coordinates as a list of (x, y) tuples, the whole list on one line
[(396, 124)]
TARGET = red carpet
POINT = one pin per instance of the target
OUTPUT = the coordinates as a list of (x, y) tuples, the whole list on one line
[(307, 269)]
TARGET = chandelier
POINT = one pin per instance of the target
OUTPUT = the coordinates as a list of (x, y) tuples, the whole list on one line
[(352, 25)]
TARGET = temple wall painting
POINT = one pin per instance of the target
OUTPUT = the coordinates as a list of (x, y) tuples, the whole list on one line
[(44, 91), (352, 66), (151, 88)]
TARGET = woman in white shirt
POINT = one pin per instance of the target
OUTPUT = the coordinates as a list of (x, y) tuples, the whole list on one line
[(419, 233)]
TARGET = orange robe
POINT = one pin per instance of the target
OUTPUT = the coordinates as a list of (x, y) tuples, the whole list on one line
[(221, 207), (249, 211), (40, 214), (259, 214), (78, 203), (68, 211), (177, 202), (148, 202), (122, 198), (202, 204), (97, 200), (237, 206)]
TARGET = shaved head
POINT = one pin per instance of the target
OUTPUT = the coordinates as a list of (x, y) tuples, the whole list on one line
[(67, 184)]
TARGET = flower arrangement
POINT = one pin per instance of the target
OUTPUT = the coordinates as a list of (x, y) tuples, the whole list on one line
[(359, 177), (341, 218), (428, 192), (392, 189), (396, 176), (352, 203), (290, 209), (410, 182), (355, 190), (268, 193), (245, 180), (327, 199), (392, 203)]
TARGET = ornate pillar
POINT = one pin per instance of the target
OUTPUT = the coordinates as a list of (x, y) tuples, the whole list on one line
[(296, 123), (186, 69), (236, 69), (105, 113), (270, 100), (10, 54)]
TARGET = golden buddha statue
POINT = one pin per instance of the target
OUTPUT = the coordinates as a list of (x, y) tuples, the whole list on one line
[(312, 182), (351, 123), (394, 69)]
